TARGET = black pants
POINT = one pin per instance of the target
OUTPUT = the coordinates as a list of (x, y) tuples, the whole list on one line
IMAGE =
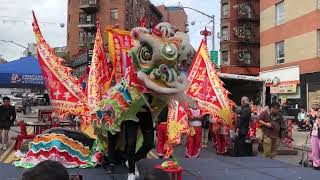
[(131, 129), (243, 148)]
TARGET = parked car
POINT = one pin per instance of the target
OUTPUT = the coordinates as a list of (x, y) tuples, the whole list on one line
[(13, 99), (19, 106)]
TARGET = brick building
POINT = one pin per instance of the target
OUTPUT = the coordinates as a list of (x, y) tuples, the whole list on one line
[(176, 16), (290, 49), (239, 37), (82, 17)]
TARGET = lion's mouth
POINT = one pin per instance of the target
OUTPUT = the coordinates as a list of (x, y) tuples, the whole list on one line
[(174, 84)]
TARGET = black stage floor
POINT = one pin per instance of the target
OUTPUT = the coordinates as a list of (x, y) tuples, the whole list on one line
[(217, 168)]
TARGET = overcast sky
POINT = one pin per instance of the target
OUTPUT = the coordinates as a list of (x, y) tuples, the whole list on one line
[(16, 18)]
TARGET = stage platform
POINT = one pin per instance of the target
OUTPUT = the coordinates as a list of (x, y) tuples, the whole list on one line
[(217, 168)]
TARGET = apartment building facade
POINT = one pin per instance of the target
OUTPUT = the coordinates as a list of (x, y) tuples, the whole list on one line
[(176, 16), (239, 37), (290, 49), (82, 18)]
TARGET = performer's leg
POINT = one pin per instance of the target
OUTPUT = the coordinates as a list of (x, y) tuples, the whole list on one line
[(131, 129), (162, 130), (197, 142), (225, 144), (189, 146), (112, 140), (146, 126), (219, 144)]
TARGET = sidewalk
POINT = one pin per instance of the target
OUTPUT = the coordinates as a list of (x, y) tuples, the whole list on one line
[(299, 138), (14, 131)]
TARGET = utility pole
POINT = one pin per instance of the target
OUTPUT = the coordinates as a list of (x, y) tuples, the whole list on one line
[(213, 34)]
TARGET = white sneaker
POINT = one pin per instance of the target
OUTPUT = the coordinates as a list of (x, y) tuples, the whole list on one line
[(131, 176), (4, 147), (136, 171)]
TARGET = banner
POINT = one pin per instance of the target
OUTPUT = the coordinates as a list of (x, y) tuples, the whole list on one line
[(207, 89), (100, 78), (119, 45), (65, 90)]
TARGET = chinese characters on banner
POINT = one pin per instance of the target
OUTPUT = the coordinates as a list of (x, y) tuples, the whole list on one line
[(100, 78), (119, 43), (65, 90)]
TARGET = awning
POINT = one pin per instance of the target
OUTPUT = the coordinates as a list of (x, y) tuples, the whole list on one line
[(22, 73)]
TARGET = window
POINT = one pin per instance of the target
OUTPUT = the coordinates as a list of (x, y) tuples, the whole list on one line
[(280, 52), (318, 37), (225, 10), (225, 33), (114, 14), (82, 37), (280, 13), (68, 18), (225, 57), (89, 18), (247, 57)]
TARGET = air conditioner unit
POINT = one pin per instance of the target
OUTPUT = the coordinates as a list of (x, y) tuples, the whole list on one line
[(240, 55), (240, 32), (241, 9)]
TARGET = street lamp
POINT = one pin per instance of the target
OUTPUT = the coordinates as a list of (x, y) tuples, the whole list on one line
[(209, 16), (14, 43), (24, 47)]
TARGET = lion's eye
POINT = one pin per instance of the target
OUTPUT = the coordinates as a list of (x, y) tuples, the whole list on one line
[(145, 53), (169, 51)]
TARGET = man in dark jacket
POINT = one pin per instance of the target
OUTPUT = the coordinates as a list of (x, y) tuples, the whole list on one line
[(243, 128), (7, 118)]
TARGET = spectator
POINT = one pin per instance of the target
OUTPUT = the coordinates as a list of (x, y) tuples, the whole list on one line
[(7, 118), (205, 129), (242, 129), (273, 129), (46, 170), (312, 116), (285, 108), (315, 143), (301, 118), (47, 99)]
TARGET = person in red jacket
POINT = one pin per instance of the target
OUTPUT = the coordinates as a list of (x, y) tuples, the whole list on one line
[(193, 144), (162, 133)]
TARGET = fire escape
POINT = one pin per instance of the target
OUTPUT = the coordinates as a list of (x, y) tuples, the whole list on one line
[(247, 33), (87, 23)]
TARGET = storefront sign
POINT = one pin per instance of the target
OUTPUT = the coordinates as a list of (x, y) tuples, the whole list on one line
[(285, 88), (26, 79), (274, 82)]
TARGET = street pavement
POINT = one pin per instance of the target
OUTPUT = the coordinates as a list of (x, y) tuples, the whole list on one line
[(299, 141)]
